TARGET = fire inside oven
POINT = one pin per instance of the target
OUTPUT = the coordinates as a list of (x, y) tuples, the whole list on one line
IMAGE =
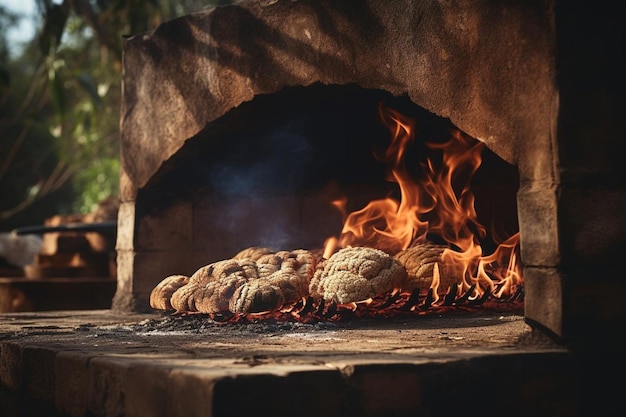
[(327, 202)]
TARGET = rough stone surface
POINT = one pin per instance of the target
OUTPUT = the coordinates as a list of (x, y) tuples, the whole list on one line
[(539, 234), (101, 363), (542, 298), (195, 68), (174, 234)]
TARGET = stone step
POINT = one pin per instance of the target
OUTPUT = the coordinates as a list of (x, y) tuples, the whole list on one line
[(101, 363)]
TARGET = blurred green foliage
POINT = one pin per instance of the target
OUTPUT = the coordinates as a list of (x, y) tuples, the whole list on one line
[(60, 100)]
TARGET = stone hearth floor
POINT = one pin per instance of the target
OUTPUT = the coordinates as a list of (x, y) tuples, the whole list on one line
[(106, 363)]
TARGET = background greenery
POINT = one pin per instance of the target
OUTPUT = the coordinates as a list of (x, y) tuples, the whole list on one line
[(60, 100)]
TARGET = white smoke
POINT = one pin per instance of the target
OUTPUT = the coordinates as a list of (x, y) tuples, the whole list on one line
[(19, 250)]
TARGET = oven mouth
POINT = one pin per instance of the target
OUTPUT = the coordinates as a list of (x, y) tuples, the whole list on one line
[(272, 173)]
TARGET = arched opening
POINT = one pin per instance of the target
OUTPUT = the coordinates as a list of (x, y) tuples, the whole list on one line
[(285, 171)]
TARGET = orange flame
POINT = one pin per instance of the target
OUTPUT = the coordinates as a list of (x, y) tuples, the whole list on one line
[(441, 203), (388, 224)]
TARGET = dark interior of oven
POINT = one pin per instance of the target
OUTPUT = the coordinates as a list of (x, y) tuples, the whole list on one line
[(299, 150)]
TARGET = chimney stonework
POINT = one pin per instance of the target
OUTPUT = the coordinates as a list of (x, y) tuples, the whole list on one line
[(490, 67)]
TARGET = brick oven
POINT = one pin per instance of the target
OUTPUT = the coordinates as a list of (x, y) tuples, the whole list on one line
[(223, 144), (510, 74)]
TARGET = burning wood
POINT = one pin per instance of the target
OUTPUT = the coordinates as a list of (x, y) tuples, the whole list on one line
[(421, 261), (283, 278), (266, 281), (356, 274), (161, 295), (296, 283), (381, 261)]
